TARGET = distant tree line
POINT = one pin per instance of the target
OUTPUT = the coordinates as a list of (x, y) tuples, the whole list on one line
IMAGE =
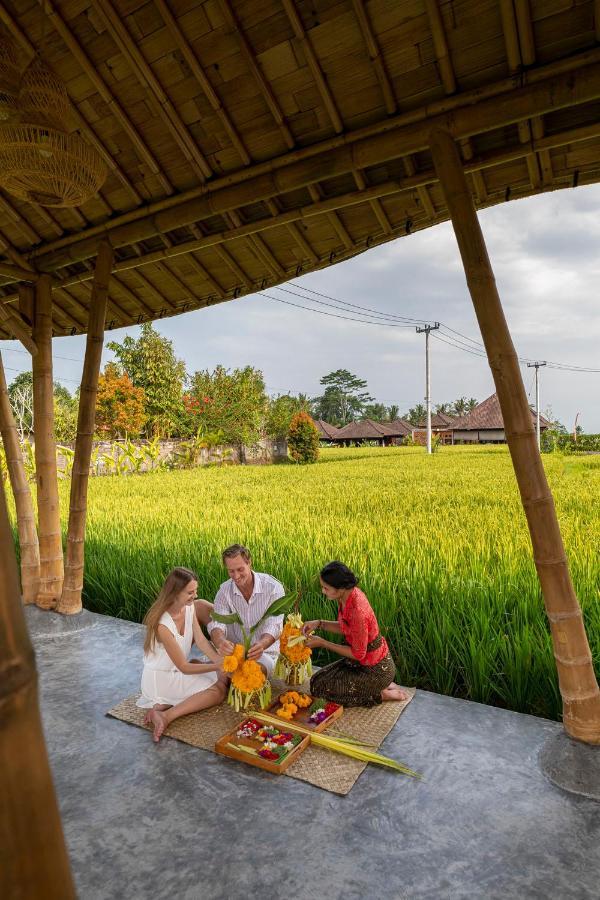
[(146, 392)]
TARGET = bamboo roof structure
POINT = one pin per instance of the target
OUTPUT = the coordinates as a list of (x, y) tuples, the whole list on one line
[(249, 141)]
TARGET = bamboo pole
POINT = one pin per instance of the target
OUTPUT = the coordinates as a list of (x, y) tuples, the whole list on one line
[(70, 601), (33, 857), (28, 539), (51, 553), (578, 685)]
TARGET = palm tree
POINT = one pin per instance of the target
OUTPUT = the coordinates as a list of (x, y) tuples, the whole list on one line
[(393, 412)]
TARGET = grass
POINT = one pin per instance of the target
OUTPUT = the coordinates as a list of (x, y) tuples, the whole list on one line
[(440, 544)]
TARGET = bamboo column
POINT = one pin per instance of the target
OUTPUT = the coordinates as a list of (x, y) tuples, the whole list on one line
[(578, 685), (28, 539), (70, 601), (33, 858), (51, 553)]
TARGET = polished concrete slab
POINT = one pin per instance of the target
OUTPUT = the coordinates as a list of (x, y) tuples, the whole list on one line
[(171, 821)]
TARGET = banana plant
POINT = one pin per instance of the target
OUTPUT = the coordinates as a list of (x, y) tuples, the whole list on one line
[(280, 607)]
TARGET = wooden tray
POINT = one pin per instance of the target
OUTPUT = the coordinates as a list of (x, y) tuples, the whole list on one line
[(266, 764), (302, 716)]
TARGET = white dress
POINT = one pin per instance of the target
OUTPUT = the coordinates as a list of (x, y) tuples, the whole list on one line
[(162, 682)]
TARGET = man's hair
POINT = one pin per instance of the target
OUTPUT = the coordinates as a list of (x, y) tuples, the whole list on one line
[(236, 550)]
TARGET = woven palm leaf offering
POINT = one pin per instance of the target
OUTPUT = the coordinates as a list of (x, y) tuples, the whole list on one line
[(294, 664), (249, 686)]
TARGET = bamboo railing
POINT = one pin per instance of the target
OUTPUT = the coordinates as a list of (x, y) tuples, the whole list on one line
[(49, 531), (33, 857), (70, 601), (577, 680)]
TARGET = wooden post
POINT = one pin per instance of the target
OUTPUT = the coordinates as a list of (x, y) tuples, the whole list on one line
[(32, 848), (70, 601), (51, 553), (28, 539), (578, 685)]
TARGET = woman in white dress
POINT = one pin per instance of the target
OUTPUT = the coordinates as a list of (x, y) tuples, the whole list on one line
[(172, 684)]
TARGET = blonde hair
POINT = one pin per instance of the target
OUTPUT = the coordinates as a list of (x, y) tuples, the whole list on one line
[(175, 582)]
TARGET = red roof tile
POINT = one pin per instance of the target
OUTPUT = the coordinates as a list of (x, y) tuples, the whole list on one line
[(487, 415)]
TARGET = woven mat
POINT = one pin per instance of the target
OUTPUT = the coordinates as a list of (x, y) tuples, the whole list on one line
[(331, 771)]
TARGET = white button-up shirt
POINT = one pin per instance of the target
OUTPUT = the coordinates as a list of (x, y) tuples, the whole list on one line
[(230, 599)]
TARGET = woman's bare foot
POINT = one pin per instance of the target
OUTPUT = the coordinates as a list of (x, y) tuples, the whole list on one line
[(394, 692), (159, 720)]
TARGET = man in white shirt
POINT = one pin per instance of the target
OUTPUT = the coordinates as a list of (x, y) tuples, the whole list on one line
[(249, 594)]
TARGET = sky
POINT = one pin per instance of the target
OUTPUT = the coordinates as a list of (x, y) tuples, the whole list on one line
[(546, 259)]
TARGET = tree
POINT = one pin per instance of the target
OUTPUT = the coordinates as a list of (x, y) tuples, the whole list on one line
[(471, 404), (393, 412), (20, 392), (344, 398), (151, 364), (416, 414), (461, 406), (119, 404), (376, 411), (280, 411), (303, 439), (444, 408), (232, 402)]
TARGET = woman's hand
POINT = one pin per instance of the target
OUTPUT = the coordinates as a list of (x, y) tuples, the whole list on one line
[(225, 647), (315, 641), (311, 626), (218, 663)]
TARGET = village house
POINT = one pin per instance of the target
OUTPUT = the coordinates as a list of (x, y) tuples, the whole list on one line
[(485, 425), (367, 431), (441, 425)]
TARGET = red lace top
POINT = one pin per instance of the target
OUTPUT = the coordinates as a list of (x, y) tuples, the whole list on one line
[(359, 627)]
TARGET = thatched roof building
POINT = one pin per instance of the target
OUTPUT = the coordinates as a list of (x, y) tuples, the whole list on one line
[(485, 424), (326, 431), (367, 430)]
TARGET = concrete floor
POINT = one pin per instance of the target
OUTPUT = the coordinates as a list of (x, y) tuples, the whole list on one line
[(171, 821)]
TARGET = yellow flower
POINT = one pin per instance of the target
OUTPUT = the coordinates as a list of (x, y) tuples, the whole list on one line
[(230, 663), (238, 651), (248, 677)]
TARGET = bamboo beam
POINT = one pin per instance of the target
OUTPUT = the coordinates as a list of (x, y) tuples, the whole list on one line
[(17, 272), (263, 85), (70, 601), (448, 78), (578, 686), (162, 104), (597, 19), (29, 233), (202, 79), (17, 327), (26, 529), (31, 828), (51, 553), (376, 56), (528, 54), (557, 92), (313, 65)]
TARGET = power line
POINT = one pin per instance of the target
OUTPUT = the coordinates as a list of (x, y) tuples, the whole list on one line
[(332, 315), (357, 305)]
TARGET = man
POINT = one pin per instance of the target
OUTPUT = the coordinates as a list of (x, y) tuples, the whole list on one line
[(249, 594)]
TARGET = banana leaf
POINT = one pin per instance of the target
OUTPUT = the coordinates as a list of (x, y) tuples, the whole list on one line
[(279, 607), (229, 619)]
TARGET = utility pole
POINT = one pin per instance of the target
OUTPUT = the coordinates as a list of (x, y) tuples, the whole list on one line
[(536, 365), (427, 329)]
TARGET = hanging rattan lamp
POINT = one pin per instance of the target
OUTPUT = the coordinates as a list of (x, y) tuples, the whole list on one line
[(10, 73), (39, 160)]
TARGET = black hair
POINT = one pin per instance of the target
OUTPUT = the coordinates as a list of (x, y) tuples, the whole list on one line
[(337, 575)]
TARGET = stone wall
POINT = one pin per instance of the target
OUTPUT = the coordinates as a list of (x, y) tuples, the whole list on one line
[(108, 455)]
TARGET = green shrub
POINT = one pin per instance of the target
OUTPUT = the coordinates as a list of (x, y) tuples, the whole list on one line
[(303, 439)]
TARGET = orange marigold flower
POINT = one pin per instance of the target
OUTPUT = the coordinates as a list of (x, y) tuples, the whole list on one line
[(230, 663)]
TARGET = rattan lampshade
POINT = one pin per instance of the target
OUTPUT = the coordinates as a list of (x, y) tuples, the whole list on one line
[(43, 98), (47, 166), (39, 160), (9, 78)]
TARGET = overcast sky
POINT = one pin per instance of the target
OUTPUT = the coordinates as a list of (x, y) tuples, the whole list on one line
[(545, 254)]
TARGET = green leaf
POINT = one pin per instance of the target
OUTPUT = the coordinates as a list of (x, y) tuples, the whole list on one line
[(230, 619)]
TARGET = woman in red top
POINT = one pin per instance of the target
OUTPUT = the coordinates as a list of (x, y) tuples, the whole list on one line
[(365, 674)]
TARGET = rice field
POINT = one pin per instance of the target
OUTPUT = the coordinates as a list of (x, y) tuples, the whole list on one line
[(440, 545)]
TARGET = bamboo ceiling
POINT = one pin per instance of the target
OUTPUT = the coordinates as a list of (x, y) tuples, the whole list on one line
[(249, 141)]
